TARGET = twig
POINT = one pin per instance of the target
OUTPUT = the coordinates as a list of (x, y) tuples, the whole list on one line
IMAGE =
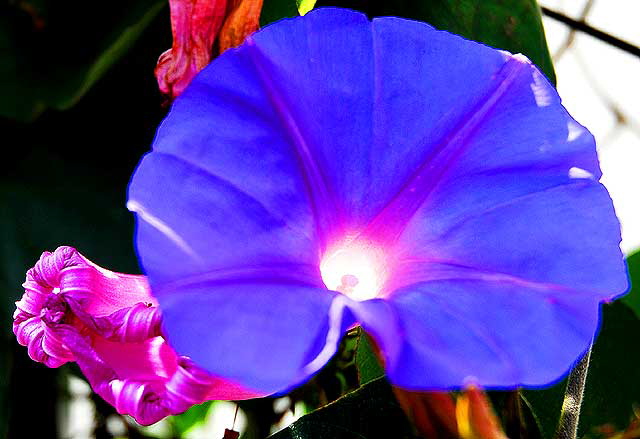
[(572, 33), (592, 31)]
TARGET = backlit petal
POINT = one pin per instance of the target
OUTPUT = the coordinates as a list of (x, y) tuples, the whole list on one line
[(263, 335), (501, 334), (521, 197)]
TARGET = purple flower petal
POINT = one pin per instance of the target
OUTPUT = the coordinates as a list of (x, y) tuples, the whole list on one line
[(264, 335), (498, 333), (520, 196), (448, 167), (528, 239)]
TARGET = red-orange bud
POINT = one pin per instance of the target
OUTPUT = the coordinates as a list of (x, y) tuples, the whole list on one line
[(196, 26), (243, 20)]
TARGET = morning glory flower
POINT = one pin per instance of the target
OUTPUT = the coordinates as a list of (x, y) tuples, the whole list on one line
[(334, 171), (74, 310)]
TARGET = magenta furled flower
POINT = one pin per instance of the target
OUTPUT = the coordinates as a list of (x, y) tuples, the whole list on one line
[(73, 310), (334, 170)]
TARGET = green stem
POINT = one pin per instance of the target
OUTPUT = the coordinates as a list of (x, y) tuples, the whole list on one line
[(570, 416)]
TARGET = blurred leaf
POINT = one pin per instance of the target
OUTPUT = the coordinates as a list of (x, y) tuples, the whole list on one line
[(182, 423), (514, 25), (369, 367), (42, 63), (632, 300), (371, 412), (274, 10), (613, 381)]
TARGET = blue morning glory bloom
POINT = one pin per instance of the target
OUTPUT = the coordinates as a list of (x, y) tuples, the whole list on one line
[(334, 170)]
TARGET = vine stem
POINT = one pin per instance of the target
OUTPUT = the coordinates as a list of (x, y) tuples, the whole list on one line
[(570, 415)]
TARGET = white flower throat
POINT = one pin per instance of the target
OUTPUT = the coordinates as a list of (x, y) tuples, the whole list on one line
[(356, 269)]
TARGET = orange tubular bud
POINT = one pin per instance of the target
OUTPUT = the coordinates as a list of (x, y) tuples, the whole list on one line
[(202, 29), (243, 20), (432, 413), (475, 416)]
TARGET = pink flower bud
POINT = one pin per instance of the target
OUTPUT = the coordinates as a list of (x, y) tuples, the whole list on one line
[(73, 310)]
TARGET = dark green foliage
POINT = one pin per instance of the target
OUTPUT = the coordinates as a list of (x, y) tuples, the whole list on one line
[(369, 412), (274, 10), (52, 53), (64, 181), (369, 367), (632, 299), (613, 382)]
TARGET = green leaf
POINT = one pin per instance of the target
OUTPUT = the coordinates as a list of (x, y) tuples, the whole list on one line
[(369, 367), (613, 382), (274, 10), (371, 412), (632, 299), (515, 25), (51, 56)]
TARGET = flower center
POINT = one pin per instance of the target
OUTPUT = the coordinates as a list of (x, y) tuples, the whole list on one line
[(54, 308), (356, 269)]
